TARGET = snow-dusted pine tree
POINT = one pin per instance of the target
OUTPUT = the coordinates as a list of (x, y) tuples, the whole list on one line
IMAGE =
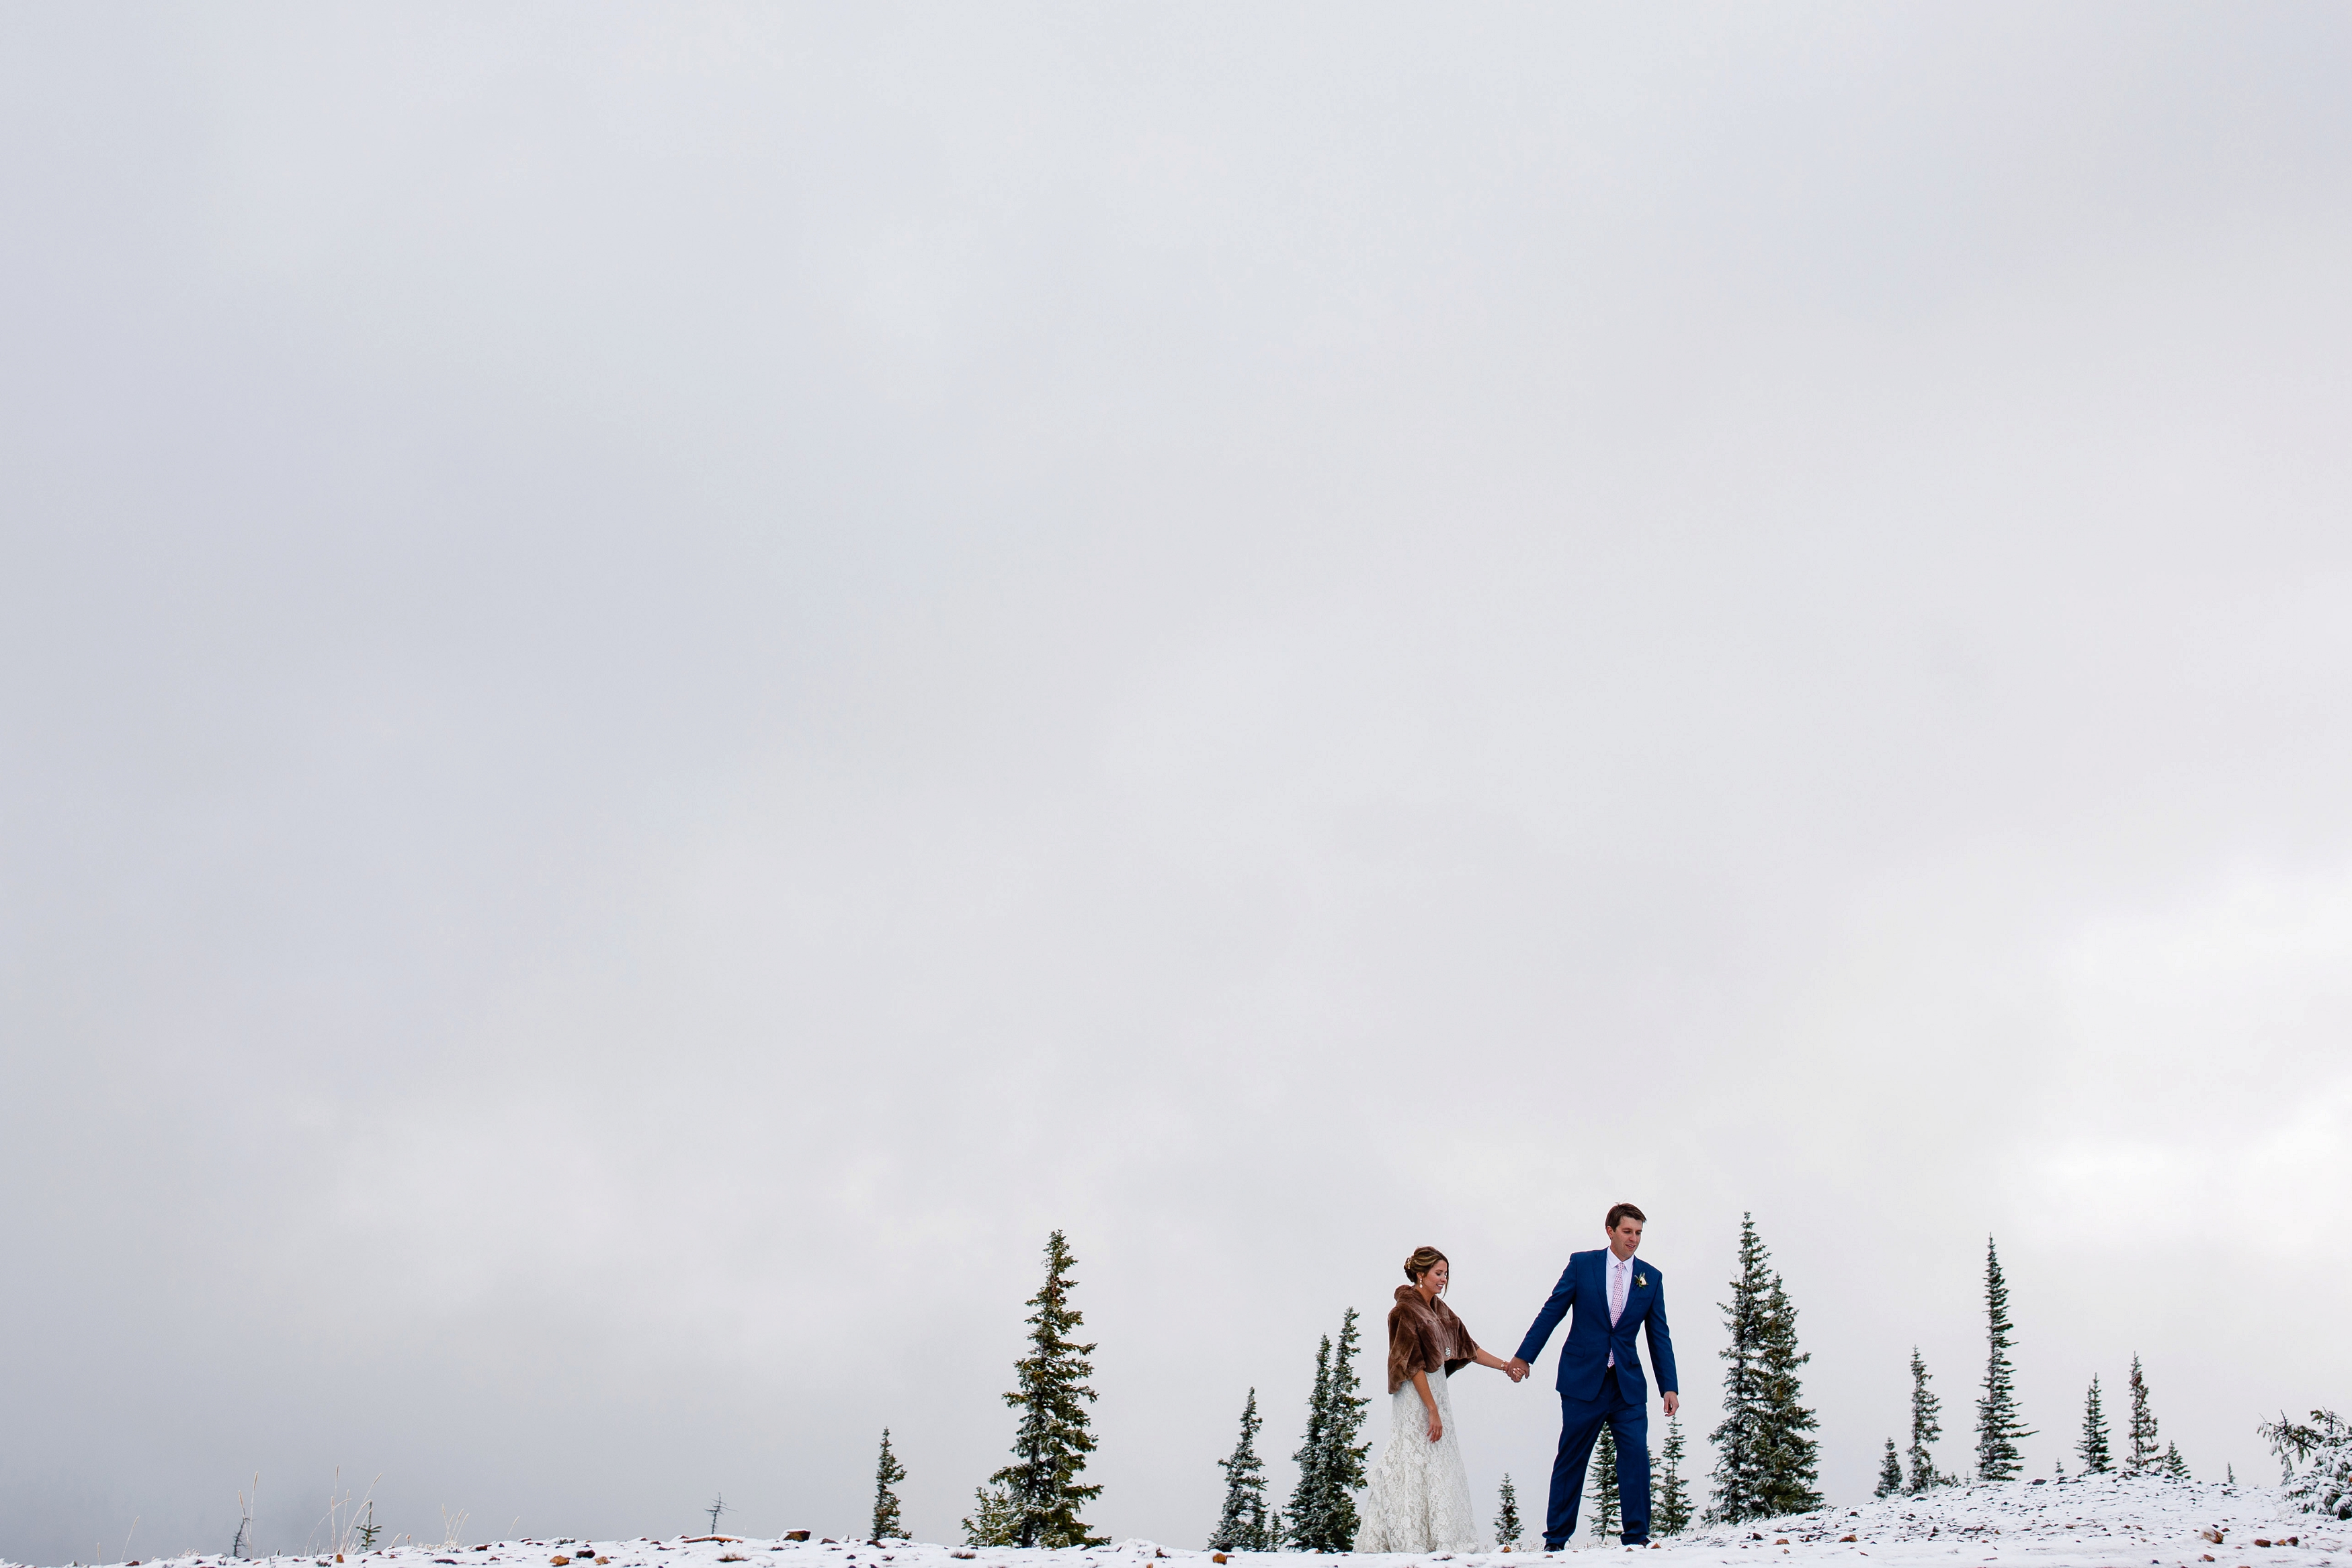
[(2315, 1461), (1606, 1520), (887, 1473), (1242, 1527), (1741, 1439), (1331, 1462), (2173, 1465), (1791, 1458), (1670, 1504), (2093, 1449), (1890, 1472), (1343, 1468), (992, 1521), (1303, 1526), (1998, 1429), (1051, 1444), (2143, 1455), (1508, 1527), (1764, 1463), (1927, 1425)]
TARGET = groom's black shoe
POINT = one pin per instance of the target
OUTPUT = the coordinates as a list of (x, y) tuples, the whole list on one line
[(1555, 1546)]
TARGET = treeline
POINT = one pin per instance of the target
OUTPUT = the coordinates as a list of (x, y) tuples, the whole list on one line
[(1036, 1500), (1767, 1458), (1322, 1516), (1767, 1455), (2001, 1426)]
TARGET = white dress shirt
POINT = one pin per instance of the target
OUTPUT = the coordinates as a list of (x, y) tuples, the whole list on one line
[(1620, 1282)]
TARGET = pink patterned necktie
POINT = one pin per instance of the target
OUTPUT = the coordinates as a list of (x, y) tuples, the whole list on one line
[(1617, 1271)]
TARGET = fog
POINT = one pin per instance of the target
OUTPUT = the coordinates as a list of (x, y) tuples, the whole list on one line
[(670, 677)]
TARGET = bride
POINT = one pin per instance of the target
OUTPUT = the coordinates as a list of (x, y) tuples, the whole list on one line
[(1418, 1497)]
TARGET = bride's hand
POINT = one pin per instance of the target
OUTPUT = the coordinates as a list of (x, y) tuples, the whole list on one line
[(1436, 1426)]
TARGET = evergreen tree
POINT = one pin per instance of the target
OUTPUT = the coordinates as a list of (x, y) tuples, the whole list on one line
[(1741, 1439), (1606, 1520), (1506, 1517), (1331, 1462), (2143, 1455), (1998, 1429), (1764, 1463), (1343, 1473), (1890, 1472), (2174, 1465), (2058, 1468), (2093, 1449), (1304, 1526), (1670, 1507), (888, 1472), (2315, 1462), (1243, 1527), (1927, 1425), (1793, 1459), (991, 1522), (1051, 1444)]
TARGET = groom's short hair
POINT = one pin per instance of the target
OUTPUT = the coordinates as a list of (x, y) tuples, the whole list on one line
[(1625, 1211)]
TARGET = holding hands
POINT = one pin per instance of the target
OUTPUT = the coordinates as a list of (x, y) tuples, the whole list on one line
[(1517, 1368)]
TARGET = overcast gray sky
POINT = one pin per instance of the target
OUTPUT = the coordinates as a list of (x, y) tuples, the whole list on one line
[(671, 676)]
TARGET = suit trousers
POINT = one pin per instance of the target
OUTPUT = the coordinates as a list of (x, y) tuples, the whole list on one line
[(1580, 1428)]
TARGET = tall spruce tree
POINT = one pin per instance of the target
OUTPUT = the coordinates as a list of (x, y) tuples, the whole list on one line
[(1765, 1461), (1890, 1472), (1039, 1491), (1741, 1439), (2144, 1453), (1244, 1526), (1998, 1429), (1792, 1459), (1331, 1462), (1669, 1504), (2093, 1450), (1606, 1519), (1302, 1526), (1508, 1527), (1927, 1425), (887, 1473), (1343, 1473)]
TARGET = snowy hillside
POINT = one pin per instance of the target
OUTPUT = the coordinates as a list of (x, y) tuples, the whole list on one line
[(2108, 1523)]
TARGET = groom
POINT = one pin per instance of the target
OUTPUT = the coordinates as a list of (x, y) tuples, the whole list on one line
[(1599, 1376)]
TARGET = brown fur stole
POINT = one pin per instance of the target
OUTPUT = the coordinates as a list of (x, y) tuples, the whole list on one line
[(1424, 1336)]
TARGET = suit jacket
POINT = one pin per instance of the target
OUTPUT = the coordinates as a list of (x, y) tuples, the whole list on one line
[(1584, 1356)]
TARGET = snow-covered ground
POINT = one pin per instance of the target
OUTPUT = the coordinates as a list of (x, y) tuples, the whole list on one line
[(2102, 1521), (2109, 1521)]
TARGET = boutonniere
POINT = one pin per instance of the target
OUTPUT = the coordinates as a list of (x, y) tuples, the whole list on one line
[(1640, 1279)]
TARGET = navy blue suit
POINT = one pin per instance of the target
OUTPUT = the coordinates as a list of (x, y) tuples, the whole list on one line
[(1592, 1392)]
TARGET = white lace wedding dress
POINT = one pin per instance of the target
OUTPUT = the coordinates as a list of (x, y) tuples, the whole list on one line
[(1419, 1495)]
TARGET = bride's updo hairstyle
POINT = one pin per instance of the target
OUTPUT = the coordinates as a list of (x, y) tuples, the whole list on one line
[(1422, 1261)]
